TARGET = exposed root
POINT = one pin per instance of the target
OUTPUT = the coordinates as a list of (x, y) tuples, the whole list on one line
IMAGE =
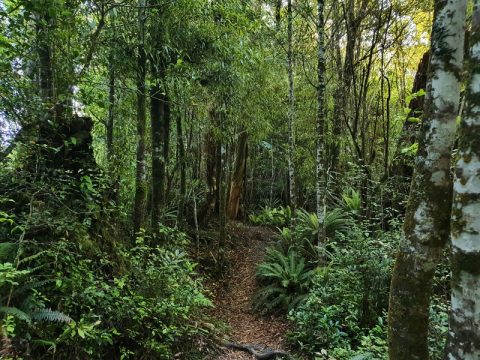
[(259, 352)]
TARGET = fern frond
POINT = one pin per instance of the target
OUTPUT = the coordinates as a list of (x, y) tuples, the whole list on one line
[(17, 313), (49, 315), (32, 257)]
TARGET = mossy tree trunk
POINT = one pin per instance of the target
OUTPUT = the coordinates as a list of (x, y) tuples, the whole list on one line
[(464, 334), (291, 109), (140, 176), (321, 177), (427, 220)]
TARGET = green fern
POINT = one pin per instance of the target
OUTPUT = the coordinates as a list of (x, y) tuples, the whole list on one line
[(286, 280), (352, 201), (42, 315), (17, 313), (48, 315)]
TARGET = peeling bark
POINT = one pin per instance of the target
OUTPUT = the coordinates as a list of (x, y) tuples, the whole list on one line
[(237, 183), (427, 220), (464, 335)]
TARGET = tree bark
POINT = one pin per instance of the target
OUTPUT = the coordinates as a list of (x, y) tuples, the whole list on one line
[(291, 110), (321, 178), (237, 183), (157, 116), (426, 227), (111, 94), (140, 175), (183, 176), (464, 335)]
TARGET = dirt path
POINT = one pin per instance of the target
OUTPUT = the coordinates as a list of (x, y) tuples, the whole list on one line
[(233, 303)]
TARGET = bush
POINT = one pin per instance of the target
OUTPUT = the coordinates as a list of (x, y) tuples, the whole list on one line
[(303, 237), (348, 297), (148, 309), (285, 279), (272, 216)]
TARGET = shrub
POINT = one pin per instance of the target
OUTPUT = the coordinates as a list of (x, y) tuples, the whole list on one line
[(147, 308), (347, 297), (303, 238), (285, 279), (272, 216)]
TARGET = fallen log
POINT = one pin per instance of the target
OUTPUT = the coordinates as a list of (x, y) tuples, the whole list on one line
[(259, 352)]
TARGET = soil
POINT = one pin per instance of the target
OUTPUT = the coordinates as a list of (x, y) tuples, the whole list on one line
[(233, 297)]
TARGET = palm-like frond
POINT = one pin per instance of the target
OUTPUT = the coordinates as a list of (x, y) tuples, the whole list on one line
[(287, 279)]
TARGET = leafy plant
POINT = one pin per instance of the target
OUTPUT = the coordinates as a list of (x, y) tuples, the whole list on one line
[(359, 274), (286, 281), (352, 201), (272, 216)]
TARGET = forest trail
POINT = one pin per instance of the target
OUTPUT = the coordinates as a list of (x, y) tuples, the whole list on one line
[(234, 301)]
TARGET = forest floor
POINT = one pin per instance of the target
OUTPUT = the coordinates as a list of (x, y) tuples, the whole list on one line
[(233, 297)]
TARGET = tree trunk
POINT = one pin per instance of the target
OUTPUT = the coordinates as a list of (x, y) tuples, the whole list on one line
[(140, 176), (183, 176), (426, 227), (320, 159), (222, 205), (291, 110), (111, 95), (158, 176), (464, 335), (237, 183)]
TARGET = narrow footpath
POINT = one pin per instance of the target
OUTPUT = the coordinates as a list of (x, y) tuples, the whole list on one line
[(234, 302)]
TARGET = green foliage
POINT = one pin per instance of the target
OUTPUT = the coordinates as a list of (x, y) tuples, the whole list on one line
[(272, 216), (303, 237), (148, 311), (359, 275), (286, 280), (336, 222), (352, 201)]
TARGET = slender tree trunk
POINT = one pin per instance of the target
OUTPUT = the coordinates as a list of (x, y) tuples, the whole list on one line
[(111, 95), (464, 335), (321, 160), (222, 205), (334, 147), (211, 174), (291, 110), (158, 177), (426, 227), (183, 176), (278, 13), (140, 176), (166, 144), (237, 183)]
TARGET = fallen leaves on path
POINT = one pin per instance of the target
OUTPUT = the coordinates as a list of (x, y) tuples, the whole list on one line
[(234, 301)]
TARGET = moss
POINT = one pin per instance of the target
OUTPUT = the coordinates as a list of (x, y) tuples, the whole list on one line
[(465, 262)]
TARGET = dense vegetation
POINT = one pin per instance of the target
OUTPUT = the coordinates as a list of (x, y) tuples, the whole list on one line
[(132, 132)]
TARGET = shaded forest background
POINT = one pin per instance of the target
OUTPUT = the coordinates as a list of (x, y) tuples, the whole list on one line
[(136, 136)]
